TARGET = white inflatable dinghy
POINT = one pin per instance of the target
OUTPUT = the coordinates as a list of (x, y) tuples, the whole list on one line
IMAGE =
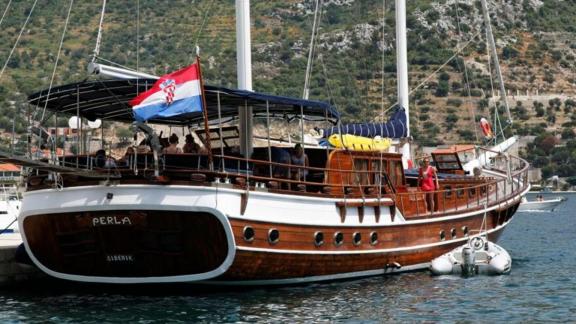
[(478, 256)]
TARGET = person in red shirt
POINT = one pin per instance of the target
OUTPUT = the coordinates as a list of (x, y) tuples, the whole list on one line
[(428, 182)]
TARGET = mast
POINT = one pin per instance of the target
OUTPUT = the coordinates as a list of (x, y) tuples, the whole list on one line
[(244, 70), (492, 44), (402, 71)]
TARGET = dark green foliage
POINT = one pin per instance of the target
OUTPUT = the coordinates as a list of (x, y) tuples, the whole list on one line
[(280, 36), (539, 108), (467, 135), (568, 133), (454, 102), (443, 89)]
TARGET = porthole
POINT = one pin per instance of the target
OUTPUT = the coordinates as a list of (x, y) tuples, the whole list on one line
[(248, 234), (357, 238), (453, 232), (442, 236), (273, 236), (318, 238), (465, 231), (472, 192), (338, 238), (373, 238)]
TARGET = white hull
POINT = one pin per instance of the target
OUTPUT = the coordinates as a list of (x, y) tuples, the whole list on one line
[(9, 210), (225, 205), (542, 206)]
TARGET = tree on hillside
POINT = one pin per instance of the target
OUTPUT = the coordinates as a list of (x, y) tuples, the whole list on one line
[(568, 133), (555, 103), (443, 89), (546, 143), (539, 108), (571, 181)]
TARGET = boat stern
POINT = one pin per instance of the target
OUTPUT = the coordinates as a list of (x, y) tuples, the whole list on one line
[(130, 246)]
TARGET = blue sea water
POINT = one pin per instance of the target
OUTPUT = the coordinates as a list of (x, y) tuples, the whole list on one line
[(541, 288)]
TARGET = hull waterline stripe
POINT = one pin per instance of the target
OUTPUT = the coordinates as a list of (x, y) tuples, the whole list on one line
[(340, 276)]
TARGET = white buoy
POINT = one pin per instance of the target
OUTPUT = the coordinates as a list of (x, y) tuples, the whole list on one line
[(95, 124), (74, 122)]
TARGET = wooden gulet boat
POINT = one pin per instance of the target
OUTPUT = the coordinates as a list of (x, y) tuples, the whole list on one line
[(234, 220), (224, 218)]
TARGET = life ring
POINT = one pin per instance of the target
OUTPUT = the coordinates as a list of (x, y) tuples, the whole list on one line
[(486, 129), (476, 243)]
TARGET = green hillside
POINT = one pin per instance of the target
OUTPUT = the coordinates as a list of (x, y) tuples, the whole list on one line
[(536, 43)]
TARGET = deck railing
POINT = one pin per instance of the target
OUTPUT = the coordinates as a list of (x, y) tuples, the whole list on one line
[(509, 178)]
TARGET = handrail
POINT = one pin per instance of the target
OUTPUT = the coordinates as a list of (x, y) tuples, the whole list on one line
[(490, 192)]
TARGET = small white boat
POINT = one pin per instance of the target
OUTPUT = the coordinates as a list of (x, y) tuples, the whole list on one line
[(9, 209), (478, 256), (547, 205)]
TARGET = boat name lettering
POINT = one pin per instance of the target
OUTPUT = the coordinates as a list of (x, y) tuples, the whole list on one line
[(120, 258), (111, 220)]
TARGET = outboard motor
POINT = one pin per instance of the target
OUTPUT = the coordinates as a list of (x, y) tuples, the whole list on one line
[(468, 261)]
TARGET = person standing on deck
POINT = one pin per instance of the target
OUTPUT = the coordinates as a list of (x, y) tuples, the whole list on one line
[(299, 158), (428, 182)]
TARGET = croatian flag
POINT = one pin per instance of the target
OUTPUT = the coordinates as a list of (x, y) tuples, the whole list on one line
[(173, 94)]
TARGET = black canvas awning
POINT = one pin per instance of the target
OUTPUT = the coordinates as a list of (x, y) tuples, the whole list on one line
[(108, 100)]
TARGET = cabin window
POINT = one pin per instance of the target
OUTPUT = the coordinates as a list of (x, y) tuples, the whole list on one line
[(483, 190), (465, 231), (472, 192), (396, 173), (380, 171), (448, 191), (361, 175), (459, 192), (375, 176)]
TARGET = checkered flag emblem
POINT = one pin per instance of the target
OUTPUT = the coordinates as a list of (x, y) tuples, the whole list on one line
[(168, 87)]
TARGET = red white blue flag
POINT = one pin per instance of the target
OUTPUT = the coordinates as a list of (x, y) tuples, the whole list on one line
[(173, 94)]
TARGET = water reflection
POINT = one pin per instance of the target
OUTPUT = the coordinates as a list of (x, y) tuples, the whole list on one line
[(541, 287)]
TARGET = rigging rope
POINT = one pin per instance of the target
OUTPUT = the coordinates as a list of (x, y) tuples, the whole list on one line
[(57, 59), (339, 122), (466, 79), (5, 11), (18, 39), (315, 26), (383, 54), (137, 40), (382, 100), (99, 37), (421, 84), (202, 26)]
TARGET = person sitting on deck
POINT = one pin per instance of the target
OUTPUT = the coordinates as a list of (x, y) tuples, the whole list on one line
[(103, 161), (128, 157), (173, 148), (280, 156), (428, 182), (143, 147), (191, 146), (300, 158)]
